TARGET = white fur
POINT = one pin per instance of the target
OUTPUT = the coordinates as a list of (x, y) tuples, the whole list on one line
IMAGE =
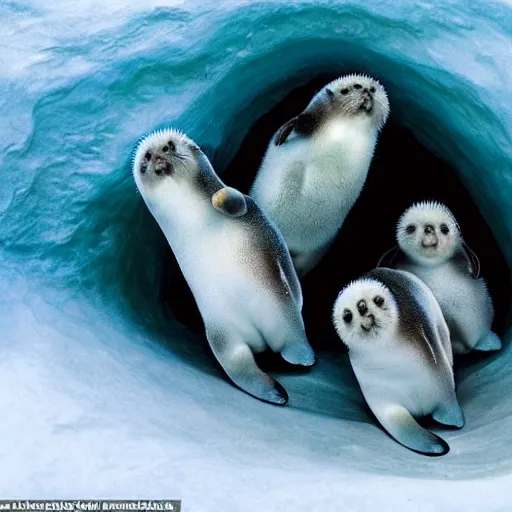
[(387, 315), (158, 138), (419, 215), (209, 247), (465, 301), (389, 370), (214, 254), (307, 186)]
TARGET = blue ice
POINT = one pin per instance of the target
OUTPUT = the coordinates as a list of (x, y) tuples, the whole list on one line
[(102, 394)]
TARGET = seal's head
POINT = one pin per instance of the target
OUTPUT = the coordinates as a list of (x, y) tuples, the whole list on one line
[(364, 312), (428, 233), (358, 95), (164, 156)]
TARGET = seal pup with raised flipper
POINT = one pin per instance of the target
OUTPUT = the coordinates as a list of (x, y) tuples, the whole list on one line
[(399, 347), (431, 246), (234, 260), (316, 165)]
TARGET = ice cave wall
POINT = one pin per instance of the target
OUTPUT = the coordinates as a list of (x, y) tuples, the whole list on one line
[(81, 83), (212, 69)]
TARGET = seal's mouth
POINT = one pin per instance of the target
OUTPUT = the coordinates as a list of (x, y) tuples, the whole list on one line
[(163, 166), (367, 103), (429, 244), (368, 323)]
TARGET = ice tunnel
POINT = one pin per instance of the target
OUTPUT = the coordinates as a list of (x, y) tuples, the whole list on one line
[(109, 389)]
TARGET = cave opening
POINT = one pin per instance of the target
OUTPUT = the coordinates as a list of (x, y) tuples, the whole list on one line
[(402, 172)]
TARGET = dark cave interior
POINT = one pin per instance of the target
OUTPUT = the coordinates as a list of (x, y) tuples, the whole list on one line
[(403, 171)]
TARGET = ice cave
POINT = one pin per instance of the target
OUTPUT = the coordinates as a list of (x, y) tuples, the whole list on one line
[(109, 388)]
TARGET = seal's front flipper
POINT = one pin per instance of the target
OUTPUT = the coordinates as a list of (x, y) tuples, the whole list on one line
[(304, 124), (298, 352), (400, 425), (282, 327), (444, 335), (488, 342), (449, 413), (388, 258), (289, 274), (473, 261), (284, 131), (230, 202), (237, 360)]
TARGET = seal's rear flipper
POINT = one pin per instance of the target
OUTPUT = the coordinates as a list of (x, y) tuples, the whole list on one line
[(388, 258), (400, 425), (488, 342), (230, 202), (449, 413), (237, 360)]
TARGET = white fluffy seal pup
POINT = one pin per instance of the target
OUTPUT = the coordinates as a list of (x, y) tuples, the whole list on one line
[(316, 165), (430, 245), (399, 347), (234, 260)]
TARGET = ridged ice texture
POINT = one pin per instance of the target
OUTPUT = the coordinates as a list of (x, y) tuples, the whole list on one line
[(93, 403)]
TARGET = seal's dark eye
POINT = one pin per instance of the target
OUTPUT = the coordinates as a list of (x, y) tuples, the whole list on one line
[(347, 316), (172, 145), (410, 229), (372, 89), (147, 156), (344, 91), (358, 86), (165, 149), (444, 229), (378, 300)]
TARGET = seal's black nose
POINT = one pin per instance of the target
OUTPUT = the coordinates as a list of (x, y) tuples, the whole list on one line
[(362, 307), (161, 165), (429, 229)]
